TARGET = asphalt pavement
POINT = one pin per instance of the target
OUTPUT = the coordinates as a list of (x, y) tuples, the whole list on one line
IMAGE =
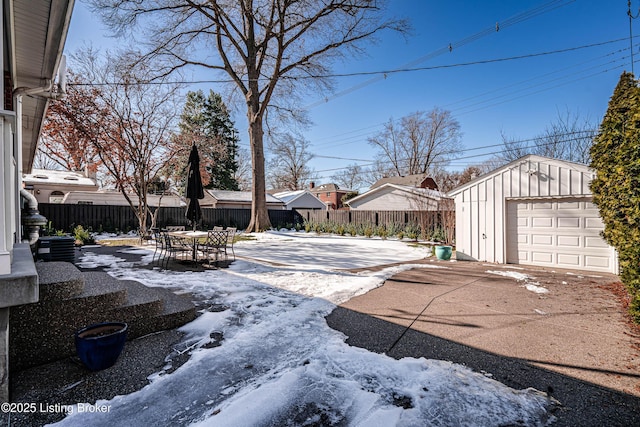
[(573, 341)]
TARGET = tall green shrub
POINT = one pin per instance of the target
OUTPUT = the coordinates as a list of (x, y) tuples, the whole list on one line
[(615, 158)]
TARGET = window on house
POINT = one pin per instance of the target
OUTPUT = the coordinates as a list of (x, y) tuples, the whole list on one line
[(56, 197)]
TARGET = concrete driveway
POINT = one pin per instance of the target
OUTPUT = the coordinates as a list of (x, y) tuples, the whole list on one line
[(560, 331)]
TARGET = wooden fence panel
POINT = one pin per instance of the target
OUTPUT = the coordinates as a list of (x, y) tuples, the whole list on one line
[(364, 217), (122, 218)]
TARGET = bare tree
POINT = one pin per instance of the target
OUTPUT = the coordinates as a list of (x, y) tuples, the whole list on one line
[(288, 167), (350, 177), (61, 143), (378, 170), (131, 137), (448, 180), (419, 141), (447, 209), (569, 137), (268, 48), (243, 172)]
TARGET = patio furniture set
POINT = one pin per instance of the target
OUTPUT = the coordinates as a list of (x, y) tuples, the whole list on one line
[(175, 243)]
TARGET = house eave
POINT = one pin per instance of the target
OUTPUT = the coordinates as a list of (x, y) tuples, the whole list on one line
[(39, 31)]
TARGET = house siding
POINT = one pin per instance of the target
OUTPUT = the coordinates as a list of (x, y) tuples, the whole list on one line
[(481, 206), (394, 199)]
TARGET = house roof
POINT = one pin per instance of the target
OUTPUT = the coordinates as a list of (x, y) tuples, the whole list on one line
[(115, 197), (55, 177), (289, 197), (238, 196), (325, 188), (528, 158), (414, 191), (414, 180), (39, 33)]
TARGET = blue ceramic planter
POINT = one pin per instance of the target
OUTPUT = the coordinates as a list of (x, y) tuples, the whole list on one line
[(444, 252), (98, 346)]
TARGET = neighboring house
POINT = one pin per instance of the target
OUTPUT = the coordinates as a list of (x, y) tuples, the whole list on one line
[(33, 35), (330, 194), (51, 186), (394, 197), (534, 210), (116, 198), (417, 180), (300, 199), (236, 200)]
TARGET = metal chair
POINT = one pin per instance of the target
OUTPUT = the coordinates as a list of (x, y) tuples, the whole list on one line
[(173, 246), (231, 235), (215, 245), (159, 241)]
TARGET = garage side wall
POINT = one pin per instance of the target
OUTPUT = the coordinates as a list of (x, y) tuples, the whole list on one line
[(481, 206)]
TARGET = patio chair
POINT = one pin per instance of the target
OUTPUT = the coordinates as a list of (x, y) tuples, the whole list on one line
[(231, 235), (215, 245), (159, 241), (175, 228), (174, 246)]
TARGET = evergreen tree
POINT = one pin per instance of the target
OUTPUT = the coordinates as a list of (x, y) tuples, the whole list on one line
[(206, 122), (615, 156)]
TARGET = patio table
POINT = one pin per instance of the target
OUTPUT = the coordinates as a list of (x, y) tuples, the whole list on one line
[(193, 236)]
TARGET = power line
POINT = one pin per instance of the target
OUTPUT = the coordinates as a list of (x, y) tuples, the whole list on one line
[(364, 73), (462, 64), (487, 103), (571, 137), (521, 17)]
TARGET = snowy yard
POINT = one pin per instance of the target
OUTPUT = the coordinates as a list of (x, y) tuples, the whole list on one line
[(263, 355)]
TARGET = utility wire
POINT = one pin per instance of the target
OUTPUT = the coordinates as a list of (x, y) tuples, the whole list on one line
[(382, 73), (516, 19), (499, 99), (569, 137)]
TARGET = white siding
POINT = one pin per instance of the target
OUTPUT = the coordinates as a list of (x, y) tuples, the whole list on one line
[(481, 206), (394, 199), (306, 201)]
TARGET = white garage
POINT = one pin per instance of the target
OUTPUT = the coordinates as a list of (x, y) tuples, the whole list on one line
[(534, 211)]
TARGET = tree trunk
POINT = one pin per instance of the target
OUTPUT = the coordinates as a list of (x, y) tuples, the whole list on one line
[(259, 213)]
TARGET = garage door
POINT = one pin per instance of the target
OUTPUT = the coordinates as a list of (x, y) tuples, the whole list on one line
[(562, 233)]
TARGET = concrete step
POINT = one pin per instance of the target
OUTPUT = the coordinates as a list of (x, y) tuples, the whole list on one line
[(58, 280), (148, 309), (177, 310), (44, 331)]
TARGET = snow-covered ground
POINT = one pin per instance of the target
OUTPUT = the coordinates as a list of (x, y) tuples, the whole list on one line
[(263, 354)]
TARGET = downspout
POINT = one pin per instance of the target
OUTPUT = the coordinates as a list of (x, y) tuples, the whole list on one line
[(31, 218)]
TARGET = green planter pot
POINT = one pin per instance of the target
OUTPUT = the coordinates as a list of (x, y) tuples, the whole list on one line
[(444, 252)]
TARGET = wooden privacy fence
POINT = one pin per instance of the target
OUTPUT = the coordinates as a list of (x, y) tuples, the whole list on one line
[(122, 218), (372, 217)]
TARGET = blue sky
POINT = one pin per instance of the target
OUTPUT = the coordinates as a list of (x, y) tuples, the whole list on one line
[(518, 97)]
